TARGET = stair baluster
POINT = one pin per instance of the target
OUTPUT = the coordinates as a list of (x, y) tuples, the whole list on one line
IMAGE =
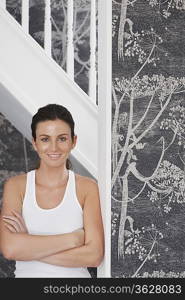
[(3, 4), (70, 44), (25, 16), (48, 28), (92, 72)]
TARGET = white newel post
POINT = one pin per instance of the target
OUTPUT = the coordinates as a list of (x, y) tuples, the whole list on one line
[(25, 15), (70, 44), (104, 130), (92, 73), (48, 28)]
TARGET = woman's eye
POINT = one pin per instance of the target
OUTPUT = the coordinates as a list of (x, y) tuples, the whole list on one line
[(62, 139), (44, 139)]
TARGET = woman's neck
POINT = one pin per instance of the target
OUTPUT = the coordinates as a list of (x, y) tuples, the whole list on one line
[(51, 176)]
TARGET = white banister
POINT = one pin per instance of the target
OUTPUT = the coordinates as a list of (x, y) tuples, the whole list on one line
[(70, 38), (70, 44), (25, 15), (48, 28), (3, 3), (104, 132), (92, 73)]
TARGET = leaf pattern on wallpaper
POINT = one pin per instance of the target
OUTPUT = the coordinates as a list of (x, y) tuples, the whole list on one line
[(148, 139)]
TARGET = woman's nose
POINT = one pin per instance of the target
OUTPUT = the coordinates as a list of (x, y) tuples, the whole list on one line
[(53, 146)]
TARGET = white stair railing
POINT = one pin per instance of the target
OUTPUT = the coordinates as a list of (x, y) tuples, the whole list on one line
[(3, 3), (48, 28), (92, 73), (25, 15), (70, 38), (70, 44)]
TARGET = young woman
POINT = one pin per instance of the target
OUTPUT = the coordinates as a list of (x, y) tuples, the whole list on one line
[(51, 218)]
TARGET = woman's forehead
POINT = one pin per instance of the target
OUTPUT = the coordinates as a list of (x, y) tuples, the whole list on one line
[(53, 125)]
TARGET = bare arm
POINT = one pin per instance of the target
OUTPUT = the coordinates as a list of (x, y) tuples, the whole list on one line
[(91, 253), (23, 246)]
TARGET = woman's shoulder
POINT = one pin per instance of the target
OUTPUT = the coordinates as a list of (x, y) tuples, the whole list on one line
[(85, 179), (16, 179), (85, 183), (14, 192), (14, 188), (17, 182)]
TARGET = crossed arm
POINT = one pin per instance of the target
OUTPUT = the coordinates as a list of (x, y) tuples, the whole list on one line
[(81, 248)]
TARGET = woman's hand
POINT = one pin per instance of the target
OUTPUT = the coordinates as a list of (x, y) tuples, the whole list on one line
[(15, 223)]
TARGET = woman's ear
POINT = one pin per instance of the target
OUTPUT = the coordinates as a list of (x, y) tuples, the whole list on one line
[(34, 145), (74, 141)]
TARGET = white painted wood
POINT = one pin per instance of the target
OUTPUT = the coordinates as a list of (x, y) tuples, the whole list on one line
[(51, 85), (104, 128), (70, 43), (92, 73), (48, 28), (3, 3), (25, 15)]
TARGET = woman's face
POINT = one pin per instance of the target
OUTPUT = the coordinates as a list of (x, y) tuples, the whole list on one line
[(53, 142)]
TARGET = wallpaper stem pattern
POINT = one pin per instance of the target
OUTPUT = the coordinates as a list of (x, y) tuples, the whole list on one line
[(148, 139)]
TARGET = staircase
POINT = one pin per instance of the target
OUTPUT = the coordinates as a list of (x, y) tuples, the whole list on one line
[(30, 78)]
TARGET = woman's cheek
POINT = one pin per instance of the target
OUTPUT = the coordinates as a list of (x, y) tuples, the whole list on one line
[(42, 148)]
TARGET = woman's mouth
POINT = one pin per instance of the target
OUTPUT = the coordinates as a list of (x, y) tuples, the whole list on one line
[(54, 156)]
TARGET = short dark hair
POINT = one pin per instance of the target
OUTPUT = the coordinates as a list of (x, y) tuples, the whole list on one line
[(53, 112)]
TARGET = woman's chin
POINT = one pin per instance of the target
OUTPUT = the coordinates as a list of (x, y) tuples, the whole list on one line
[(54, 163)]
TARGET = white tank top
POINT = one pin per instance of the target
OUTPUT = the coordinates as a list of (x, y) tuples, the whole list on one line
[(64, 218)]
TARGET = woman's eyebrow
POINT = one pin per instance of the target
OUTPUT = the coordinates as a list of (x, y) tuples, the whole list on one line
[(49, 135), (63, 134)]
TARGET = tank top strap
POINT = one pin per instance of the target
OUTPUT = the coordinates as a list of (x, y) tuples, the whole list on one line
[(71, 184), (29, 191), (29, 182), (69, 187), (72, 190)]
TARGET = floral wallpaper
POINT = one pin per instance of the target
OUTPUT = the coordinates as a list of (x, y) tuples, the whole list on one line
[(148, 139)]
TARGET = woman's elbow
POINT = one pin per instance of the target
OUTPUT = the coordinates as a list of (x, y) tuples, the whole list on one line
[(7, 252), (9, 249), (96, 263), (97, 258)]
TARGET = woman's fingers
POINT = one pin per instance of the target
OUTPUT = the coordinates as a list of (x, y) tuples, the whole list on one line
[(11, 228), (21, 220), (18, 216), (18, 221), (11, 222), (14, 221)]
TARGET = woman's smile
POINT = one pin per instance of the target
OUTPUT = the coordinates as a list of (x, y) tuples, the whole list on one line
[(54, 156)]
